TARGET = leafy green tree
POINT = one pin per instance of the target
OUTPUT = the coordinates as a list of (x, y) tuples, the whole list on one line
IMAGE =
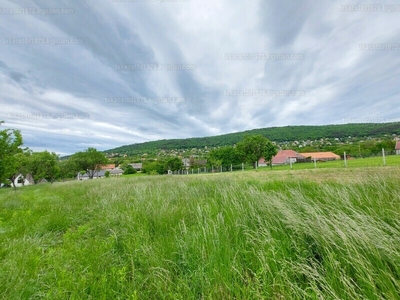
[(107, 174), (225, 156), (44, 165), (252, 148), (173, 164), (68, 169), (153, 167), (128, 169), (89, 160), (22, 163), (10, 146)]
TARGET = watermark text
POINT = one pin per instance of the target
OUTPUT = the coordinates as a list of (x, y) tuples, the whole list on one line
[(144, 100), (36, 11), (370, 7), (41, 40), (155, 67), (261, 56), (48, 115), (378, 46), (264, 93)]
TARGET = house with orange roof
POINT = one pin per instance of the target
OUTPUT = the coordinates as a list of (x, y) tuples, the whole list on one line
[(107, 167), (321, 156)]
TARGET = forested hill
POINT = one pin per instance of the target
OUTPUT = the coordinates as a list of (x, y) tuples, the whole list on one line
[(277, 134)]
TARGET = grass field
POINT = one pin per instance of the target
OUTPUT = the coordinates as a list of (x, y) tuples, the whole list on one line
[(290, 234), (392, 160)]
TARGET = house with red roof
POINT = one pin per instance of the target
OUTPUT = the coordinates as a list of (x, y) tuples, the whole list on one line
[(283, 157), (397, 148)]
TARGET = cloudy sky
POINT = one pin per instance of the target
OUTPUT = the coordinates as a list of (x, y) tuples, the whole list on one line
[(79, 74)]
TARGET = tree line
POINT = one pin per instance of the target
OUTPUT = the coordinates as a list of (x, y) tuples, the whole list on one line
[(16, 160), (275, 134), (250, 150)]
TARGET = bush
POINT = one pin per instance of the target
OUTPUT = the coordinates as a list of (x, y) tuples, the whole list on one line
[(156, 166), (129, 170)]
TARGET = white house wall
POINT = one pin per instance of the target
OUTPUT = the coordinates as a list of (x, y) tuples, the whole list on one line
[(17, 184)]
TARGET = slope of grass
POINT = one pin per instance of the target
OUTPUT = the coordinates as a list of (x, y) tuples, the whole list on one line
[(245, 235)]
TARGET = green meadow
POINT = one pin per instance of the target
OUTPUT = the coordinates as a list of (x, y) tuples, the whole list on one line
[(392, 160), (325, 233)]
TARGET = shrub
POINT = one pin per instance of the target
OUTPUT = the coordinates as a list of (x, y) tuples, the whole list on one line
[(129, 170)]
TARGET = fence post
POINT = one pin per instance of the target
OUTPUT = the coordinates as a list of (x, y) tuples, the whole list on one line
[(345, 160), (383, 156)]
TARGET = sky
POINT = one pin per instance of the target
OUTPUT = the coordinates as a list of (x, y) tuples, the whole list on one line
[(102, 74)]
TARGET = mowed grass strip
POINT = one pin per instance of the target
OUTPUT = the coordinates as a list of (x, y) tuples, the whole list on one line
[(247, 235)]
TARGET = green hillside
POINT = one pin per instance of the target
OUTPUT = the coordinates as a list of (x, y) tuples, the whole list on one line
[(277, 134)]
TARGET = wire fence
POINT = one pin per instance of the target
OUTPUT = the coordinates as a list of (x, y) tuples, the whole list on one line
[(385, 158), (211, 169)]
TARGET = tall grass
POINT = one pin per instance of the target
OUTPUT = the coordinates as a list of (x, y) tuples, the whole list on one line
[(222, 236)]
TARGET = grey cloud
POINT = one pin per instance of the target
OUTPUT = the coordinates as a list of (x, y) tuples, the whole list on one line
[(339, 80)]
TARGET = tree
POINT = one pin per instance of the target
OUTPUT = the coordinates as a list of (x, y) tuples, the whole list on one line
[(21, 165), (129, 170), (152, 167), (68, 168), (173, 164), (252, 148), (225, 156), (89, 160), (44, 165), (10, 143)]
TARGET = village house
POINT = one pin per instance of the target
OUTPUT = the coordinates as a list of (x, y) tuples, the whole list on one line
[(284, 157), (101, 174), (21, 180), (108, 167), (186, 162), (137, 166), (397, 148), (321, 156), (96, 175)]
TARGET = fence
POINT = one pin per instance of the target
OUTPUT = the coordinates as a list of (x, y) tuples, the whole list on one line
[(385, 158), (211, 169)]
